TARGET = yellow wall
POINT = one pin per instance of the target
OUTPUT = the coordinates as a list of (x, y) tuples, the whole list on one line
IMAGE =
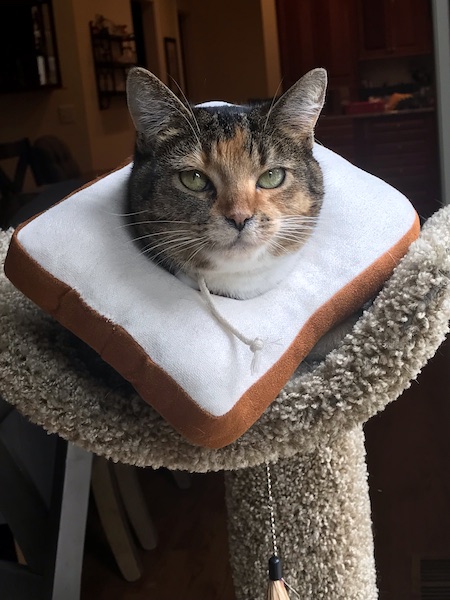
[(110, 132), (271, 47), (166, 22), (224, 50)]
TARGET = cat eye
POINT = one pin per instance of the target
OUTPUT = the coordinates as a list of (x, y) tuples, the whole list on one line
[(195, 181), (271, 179)]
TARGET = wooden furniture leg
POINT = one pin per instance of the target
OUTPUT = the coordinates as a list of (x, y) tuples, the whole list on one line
[(114, 521), (72, 524), (135, 505)]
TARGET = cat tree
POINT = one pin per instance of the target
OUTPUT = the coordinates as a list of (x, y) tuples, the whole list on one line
[(312, 432)]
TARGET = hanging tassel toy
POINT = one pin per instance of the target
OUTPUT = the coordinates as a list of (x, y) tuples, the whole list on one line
[(276, 589), (277, 585)]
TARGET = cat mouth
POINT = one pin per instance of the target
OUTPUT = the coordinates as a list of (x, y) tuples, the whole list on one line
[(241, 247)]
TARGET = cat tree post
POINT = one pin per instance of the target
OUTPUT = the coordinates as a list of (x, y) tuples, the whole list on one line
[(322, 511)]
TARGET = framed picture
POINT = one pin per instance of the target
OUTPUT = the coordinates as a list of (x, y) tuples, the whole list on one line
[(172, 64)]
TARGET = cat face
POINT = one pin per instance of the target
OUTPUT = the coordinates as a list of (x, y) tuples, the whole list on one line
[(223, 188)]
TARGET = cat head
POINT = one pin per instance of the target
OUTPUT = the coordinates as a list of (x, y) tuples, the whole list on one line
[(223, 188)]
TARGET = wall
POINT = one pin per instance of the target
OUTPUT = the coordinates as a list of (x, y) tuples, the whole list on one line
[(110, 132), (223, 50), (166, 24), (271, 47)]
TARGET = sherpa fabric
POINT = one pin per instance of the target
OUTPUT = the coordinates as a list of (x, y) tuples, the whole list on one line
[(77, 262), (313, 428)]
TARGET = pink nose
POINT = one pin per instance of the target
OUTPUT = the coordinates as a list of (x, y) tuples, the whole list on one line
[(238, 220)]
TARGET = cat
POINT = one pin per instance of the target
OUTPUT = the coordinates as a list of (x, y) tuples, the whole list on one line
[(227, 194), (222, 192)]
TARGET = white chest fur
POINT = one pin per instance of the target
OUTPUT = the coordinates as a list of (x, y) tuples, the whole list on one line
[(249, 277)]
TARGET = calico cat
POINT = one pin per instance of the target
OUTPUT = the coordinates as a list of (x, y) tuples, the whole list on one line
[(224, 193)]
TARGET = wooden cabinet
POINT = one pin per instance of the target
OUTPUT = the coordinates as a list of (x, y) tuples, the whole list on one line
[(318, 33), (391, 28), (399, 148), (114, 56), (402, 150)]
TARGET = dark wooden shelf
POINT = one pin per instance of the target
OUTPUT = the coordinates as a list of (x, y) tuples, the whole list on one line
[(115, 64), (113, 56), (104, 35), (112, 93)]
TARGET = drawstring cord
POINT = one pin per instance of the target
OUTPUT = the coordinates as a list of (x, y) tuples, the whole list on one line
[(256, 345)]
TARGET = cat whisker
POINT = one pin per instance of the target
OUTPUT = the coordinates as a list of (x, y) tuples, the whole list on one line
[(193, 243), (297, 226), (126, 225), (181, 246), (298, 222), (148, 235), (290, 241), (299, 218), (293, 235), (275, 245), (295, 232), (151, 222), (175, 240), (169, 244), (130, 214), (194, 254), (176, 108), (186, 102), (272, 104), (200, 247), (193, 249), (296, 229)]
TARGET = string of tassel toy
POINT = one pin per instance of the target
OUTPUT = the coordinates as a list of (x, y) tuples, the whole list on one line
[(277, 588)]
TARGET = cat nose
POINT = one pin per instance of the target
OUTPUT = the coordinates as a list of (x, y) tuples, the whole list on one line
[(238, 221)]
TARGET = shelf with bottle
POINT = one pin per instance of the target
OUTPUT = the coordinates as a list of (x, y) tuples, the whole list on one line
[(114, 54)]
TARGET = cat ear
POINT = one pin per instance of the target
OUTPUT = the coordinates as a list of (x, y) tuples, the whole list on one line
[(299, 108), (150, 102)]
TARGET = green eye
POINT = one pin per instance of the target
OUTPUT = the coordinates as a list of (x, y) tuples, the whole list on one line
[(195, 181), (272, 178)]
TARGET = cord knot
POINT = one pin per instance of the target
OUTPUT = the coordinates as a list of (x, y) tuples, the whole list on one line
[(257, 345)]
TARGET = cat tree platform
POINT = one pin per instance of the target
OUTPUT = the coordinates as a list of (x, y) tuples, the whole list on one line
[(312, 431)]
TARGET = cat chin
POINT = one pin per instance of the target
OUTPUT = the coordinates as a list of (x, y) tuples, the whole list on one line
[(240, 257), (243, 279)]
